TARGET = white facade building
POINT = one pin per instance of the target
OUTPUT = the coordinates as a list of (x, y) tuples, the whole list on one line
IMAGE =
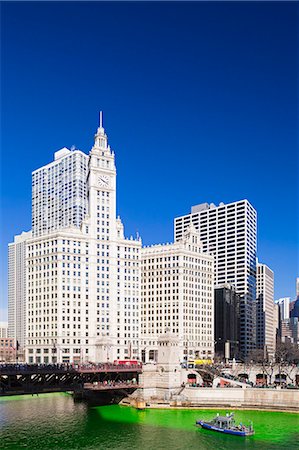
[(3, 329), (265, 310), (83, 279), (297, 287), (177, 295), (59, 192), (284, 307), (17, 288), (228, 232)]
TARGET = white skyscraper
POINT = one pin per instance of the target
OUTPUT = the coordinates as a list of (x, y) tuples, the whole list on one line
[(229, 233), (59, 192), (265, 309), (17, 288), (284, 307), (83, 274), (177, 294)]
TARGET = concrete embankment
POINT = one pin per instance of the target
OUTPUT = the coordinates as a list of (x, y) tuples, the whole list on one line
[(270, 399)]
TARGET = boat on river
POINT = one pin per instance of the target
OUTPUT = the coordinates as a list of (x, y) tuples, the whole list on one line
[(227, 425)]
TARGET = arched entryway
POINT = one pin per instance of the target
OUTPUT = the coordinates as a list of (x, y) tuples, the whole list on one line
[(280, 378), (191, 377), (243, 377), (261, 379)]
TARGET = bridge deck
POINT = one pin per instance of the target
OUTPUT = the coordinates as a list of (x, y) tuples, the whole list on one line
[(27, 379), (99, 368)]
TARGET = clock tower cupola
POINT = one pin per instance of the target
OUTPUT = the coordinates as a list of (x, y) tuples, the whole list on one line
[(100, 138)]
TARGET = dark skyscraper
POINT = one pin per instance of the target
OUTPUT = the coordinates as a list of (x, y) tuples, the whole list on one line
[(227, 320)]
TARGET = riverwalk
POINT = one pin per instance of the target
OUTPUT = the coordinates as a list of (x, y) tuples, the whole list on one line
[(236, 398)]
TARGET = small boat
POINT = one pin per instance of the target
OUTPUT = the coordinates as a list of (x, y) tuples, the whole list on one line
[(226, 424)]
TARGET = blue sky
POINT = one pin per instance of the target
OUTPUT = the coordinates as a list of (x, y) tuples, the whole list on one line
[(200, 105)]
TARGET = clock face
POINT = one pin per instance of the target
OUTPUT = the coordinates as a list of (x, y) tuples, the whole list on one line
[(103, 180)]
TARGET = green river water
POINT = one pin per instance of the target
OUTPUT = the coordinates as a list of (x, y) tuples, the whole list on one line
[(55, 421)]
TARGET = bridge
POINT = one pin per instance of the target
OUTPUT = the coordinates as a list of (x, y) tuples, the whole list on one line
[(87, 380)]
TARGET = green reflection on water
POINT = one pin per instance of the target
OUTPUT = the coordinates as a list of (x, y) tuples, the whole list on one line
[(54, 421)]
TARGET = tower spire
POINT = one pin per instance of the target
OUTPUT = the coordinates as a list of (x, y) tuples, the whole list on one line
[(101, 141)]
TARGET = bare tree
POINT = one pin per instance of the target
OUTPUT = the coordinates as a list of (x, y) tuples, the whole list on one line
[(287, 352)]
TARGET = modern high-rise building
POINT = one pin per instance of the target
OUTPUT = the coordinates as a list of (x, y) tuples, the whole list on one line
[(59, 192), (295, 310), (289, 330), (83, 275), (177, 295), (297, 287), (264, 310), (284, 307), (227, 321), (228, 232), (17, 288)]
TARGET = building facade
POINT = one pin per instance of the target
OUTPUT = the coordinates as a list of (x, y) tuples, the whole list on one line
[(290, 330), (3, 329), (284, 307), (228, 232), (8, 352), (295, 310), (276, 323), (59, 192), (265, 309), (83, 274), (177, 296), (17, 288), (227, 322)]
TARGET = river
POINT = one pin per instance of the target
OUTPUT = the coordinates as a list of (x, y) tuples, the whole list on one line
[(55, 421)]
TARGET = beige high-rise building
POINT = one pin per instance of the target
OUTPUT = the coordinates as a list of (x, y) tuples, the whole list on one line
[(177, 295), (264, 309)]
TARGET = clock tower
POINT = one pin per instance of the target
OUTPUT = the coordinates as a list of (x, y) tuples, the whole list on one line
[(101, 181), (97, 287)]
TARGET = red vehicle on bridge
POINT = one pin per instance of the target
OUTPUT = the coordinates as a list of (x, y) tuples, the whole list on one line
[(127, 362)]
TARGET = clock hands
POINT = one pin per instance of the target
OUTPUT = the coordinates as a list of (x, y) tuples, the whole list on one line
[(103, 180)]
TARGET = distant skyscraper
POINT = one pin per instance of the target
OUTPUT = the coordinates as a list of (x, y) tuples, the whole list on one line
[(264, 309), (17, 288), (276, 323), (284, 307), (290, 330), (297, 287), (83, 274), (59, 192), (227, 320), (229, 233), (177, 294), (295, 310)]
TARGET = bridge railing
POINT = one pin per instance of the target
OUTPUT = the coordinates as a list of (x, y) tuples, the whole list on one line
[(14, 369)]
